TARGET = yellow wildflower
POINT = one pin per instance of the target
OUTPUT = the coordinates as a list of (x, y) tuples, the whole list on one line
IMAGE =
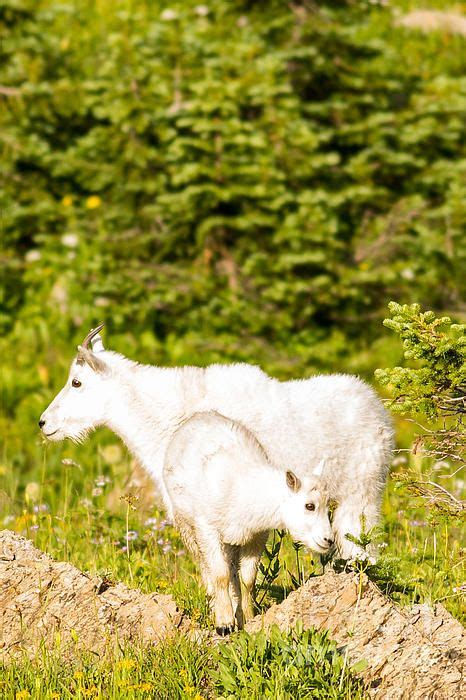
[(67, 200), (22, 694), (145, 687), (54, 696), (126, 664), (78, 675), (89, 692), (93, 202)]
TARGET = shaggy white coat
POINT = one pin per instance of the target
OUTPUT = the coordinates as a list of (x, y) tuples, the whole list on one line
[(225, 497), (336, 422)]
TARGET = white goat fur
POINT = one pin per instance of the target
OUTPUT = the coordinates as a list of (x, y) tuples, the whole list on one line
[(335, 421), (226, 496)]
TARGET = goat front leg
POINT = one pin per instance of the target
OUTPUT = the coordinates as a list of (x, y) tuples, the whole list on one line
[(216, 572), (250, 555)]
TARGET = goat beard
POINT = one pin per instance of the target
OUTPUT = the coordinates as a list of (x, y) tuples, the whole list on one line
[(79, 436)]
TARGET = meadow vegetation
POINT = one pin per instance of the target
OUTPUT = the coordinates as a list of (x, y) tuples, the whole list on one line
[(235, 181)]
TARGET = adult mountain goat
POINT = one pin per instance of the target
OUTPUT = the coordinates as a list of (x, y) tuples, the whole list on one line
[(226, 496), (335, 422)]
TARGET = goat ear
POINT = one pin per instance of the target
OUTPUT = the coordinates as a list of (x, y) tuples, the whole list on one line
[(87, 357), (293, 482)]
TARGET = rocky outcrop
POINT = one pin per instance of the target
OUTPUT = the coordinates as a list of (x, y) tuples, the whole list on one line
[(408, 654), (49, 602)]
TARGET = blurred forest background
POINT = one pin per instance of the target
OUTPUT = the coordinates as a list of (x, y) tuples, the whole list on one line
[(235, 180)]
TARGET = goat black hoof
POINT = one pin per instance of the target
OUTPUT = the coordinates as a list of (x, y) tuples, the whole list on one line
[(224, 630)]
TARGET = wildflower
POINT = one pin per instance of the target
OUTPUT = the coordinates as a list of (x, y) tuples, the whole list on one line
[(131, 535), (67, 462), (111, 453), (417, 523), (41, 508), (54, 696), (32, 491), (166, 547), (85, 502), (407, 273), (78, 675), (145, 687), (32, 256), (151, 522), (168, 15), (460, 589), (201, 10), (70, 240), (67, 200), (97, 491), (34, 527), (98, 540), (126, 664), (89, 692), (102, 481), (22, 695), (93, 202), (130, 499)]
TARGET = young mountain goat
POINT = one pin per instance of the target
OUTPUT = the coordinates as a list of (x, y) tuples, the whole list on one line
[(225, 497), (334, 421)]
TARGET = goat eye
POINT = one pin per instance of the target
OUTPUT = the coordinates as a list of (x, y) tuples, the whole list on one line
[(310, 506), (76, 383)]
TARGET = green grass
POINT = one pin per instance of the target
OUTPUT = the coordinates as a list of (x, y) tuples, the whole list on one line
[(301, 664)]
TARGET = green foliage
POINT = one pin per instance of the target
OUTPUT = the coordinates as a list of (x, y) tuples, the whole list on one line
[(436, 386), (276, 664), (240, 180)]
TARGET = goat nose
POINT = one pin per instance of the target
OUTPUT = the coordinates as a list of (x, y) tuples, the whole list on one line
[(329, 541), (41, 423)]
